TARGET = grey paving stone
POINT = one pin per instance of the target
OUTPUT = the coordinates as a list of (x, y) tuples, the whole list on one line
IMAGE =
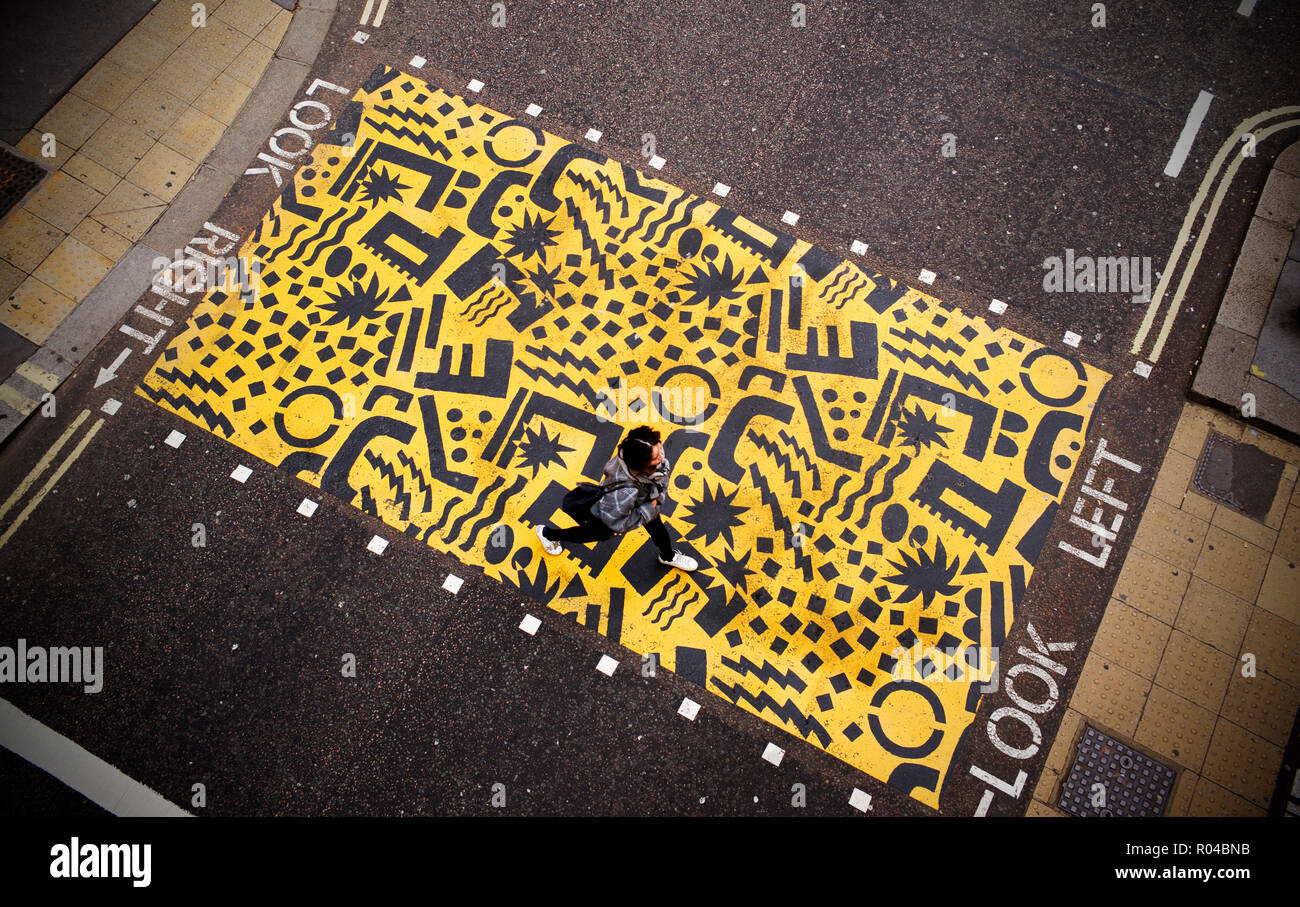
[(1225, 364), (1245, 304), (1277, 357), (1280, 200)]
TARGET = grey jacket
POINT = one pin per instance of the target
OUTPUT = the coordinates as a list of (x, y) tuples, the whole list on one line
[(627, 508)]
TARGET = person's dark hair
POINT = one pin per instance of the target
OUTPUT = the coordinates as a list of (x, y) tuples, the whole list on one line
[(638, 447)]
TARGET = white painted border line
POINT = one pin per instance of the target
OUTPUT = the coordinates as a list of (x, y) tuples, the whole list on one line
[(1246, 7), (379, 16), (365, 14), (1195, 117), (79, 769)]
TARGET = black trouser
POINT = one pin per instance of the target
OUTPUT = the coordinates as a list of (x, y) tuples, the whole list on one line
[(591, 529)]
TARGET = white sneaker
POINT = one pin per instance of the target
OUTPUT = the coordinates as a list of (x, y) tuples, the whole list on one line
[(548, 546), (681, 562)]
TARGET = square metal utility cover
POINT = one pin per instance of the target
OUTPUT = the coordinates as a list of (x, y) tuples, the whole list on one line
[(17, 178), (1239, 475), (1117, 778)]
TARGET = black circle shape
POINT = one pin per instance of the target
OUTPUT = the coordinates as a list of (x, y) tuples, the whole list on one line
[(495, 553), (688, 244), (1070, 399), (893, 522), (538, 137), (700, 418), (453, 415), (878, 731), (321, 391), (338, 261), (1062, 462)]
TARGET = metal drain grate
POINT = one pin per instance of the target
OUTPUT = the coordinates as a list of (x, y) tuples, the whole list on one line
[(1117, 778), (17, 178), (1237, 474)]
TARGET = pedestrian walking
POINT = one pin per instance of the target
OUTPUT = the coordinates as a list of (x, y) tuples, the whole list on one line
[(632, 490)]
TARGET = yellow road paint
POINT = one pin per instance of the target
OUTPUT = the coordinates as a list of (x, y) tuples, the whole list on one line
[(38, 376), (43, 463), (459, 319), (52, 481), (16, 400)]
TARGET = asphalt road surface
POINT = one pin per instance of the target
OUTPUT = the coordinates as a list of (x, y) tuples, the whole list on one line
[(975, 140)]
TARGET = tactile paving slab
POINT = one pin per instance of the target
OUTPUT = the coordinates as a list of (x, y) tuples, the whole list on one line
[(1132, 782), (17, 178)]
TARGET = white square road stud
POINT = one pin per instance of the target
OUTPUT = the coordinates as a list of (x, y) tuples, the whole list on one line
[(859, 247), (1072, 339), (530, 624), (860, 800), (533, 110), (593, 135), (452, 583), (657, 162), (721, 189), (689, 709), (606, 665), (1142, 369), (926, 276), (773, 754), (418, 62), (307, 507), (241, 474), (111, 406), (377, 545), (175, 439), (361, 37), (998, 307), (475, 85), (790, 218)]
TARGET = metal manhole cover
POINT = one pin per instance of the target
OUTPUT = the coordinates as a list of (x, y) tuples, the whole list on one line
[(1110, 778), (1239, 475), (17, 178)]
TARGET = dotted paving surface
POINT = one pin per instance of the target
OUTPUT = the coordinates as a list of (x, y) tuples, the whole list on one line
[(459, 315)]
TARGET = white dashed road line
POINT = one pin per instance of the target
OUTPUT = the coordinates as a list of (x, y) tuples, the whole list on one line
[(1193, 125)]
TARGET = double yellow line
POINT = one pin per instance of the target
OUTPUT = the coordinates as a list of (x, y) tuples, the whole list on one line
[(1228, 149), (40, 467)]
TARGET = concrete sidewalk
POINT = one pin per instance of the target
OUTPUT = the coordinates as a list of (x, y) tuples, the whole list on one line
[(142, 148)]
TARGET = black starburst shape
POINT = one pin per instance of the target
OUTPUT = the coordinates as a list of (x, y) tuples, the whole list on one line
[(714, 516), (538, 449), (380, 187), (544, 280), (735, 570), (919, 429), (531, 237), (924, 575), (356, 303), (711, 283)]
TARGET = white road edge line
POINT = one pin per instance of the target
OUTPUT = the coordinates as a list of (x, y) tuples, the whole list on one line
[(44, 463), (1195, 117), (50, 483), (365, 14), (1246, 7), (379, 16), (79, 769)]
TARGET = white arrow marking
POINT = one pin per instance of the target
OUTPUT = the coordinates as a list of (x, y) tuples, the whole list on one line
[(108, 374)]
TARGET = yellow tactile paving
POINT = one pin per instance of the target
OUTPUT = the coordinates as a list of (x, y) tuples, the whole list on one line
[(1244, 527), (1288, 537), (96, 176), (100, 238), (1175, 727), (1275, 643), (1195, 670), (107, 85), (823, 418), (1110, 695), (151, 109), (216, 44), (1194, 425), (1242, 762), (249, 16), (223, 100), (37, 375), (1038, 808), (183, 76), (10, 278), (162, 172), (1198, 505), (1280, 592), (73, 120), (117, 146), (1058, 757), (1213, 616), (33, 145), (175, 19), (140, 50), (35, 310), (25, 240), (1232, 563), (1263, 705), (73, 269), (129, 210), (1131, 638), (1180, 800), (1174, 476), (1170, 534), (62, 201), (1276, 513), (16, 400), (1151, 585), (273, 34), (1212, 800), (251, 62), (194, 134)]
